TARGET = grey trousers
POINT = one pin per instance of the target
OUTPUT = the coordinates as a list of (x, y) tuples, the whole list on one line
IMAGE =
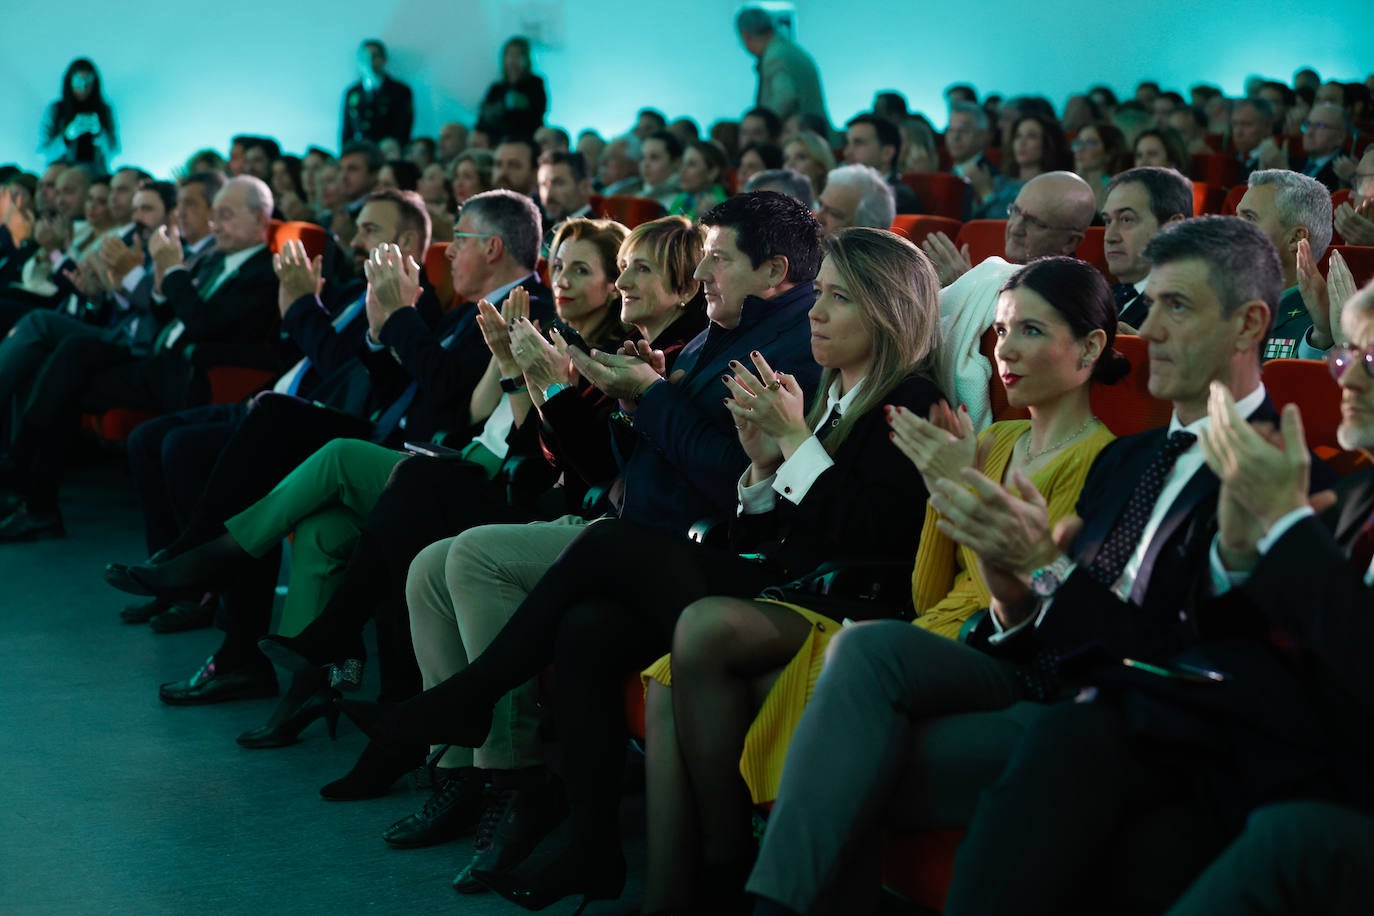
[(461, 591), (905, 729), (1309, 858)]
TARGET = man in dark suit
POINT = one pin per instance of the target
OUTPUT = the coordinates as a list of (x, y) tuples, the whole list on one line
[(422, 380), (226, 307), (930, 722), (1139, 203), (1189, 735), (1323, 135), (377, 106)]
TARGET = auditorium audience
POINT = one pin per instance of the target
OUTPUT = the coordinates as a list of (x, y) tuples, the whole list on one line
[(1171, 549)]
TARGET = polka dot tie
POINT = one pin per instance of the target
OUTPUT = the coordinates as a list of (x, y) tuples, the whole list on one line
[(1125, 535)]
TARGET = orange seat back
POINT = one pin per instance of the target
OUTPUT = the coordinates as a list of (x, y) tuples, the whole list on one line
[(1308, 383), (1091, 249), (438, 274), (313, 237), (1221, 169), (630, 211), (1232, 200), (918, 227), (1207, 198), (1128, 407), (941, 194), (984, 237)]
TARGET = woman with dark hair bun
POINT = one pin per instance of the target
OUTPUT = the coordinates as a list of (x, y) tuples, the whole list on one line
[(80, 126)]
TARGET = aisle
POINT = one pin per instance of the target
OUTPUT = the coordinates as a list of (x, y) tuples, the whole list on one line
[(114, 803)]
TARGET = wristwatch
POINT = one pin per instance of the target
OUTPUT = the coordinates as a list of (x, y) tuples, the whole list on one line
[(554, 389), (512, 385), (1045, 581)]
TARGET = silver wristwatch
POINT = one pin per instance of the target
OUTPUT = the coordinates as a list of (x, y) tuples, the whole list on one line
[(1045, 581)]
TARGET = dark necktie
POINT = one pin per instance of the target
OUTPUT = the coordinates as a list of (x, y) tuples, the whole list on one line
[(209, 272), (1362, 551), (1124, 537), (1123, 293), (832, 420)]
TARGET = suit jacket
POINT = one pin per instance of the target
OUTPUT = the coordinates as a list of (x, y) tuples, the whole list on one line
[(1169, 609), (388, 112), (789, 82), (1326, 174), (242, 310), (445, 376), (870, 505), (682, 458), (309, 325), (1291, 323)]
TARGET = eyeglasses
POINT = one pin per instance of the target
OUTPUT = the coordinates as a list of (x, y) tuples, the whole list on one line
[(1085, 144), (1015, 212), (1320, 125), (1341, 357), (472, 235)]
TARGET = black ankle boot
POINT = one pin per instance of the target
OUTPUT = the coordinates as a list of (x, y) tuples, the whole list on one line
[(561, 867), (520, 808)]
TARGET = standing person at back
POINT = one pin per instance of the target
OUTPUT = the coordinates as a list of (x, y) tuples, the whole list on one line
[(377, 106), (788, 80)]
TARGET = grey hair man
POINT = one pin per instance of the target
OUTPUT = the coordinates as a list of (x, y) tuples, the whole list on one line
[(856, 195), (1292, 209), (789, 82), (785, 181)]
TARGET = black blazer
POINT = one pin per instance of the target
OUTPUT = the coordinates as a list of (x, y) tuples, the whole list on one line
[(869, 505), (309, 325), (243, 310), (446, 376)]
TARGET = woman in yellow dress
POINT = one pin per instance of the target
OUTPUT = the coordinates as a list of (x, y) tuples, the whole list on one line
[(741, 684)]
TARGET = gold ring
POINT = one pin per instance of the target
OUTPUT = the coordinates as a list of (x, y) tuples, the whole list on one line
[(773, 385)]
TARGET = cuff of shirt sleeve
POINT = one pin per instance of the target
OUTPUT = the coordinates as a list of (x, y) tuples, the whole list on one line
[(796, 475), (758, 498), (1306, 350), (1280, 528), (133, 278), (1005, 633), (371, 344), (1223, 579)]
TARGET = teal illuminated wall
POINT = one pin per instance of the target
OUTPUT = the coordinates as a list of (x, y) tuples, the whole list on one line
[(184, 77)]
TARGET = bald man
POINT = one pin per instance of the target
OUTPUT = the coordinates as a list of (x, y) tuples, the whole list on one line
[(1049, 217)]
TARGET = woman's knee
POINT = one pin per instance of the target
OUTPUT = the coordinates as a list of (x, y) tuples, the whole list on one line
[(706, 632)]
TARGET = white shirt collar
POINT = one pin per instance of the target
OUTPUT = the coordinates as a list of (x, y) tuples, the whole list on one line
[(1245, 407), (833, 399), (233, 262)]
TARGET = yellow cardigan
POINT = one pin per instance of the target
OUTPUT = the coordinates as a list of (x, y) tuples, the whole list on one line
[(946, 587)]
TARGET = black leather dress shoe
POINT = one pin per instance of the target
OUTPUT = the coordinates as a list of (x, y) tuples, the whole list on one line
[(209, 685), (451, 810), (184, 616), (142, 613), (23, 525)]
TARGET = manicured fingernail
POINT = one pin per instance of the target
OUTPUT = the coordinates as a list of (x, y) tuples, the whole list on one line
[(725, 379), (756, 353), (892, 435)]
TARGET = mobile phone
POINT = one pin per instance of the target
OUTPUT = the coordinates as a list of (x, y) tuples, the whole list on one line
[(430, 449), (570, 337), (1178, 671)]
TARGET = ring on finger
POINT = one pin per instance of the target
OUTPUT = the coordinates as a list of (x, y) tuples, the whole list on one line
[(773, 385)]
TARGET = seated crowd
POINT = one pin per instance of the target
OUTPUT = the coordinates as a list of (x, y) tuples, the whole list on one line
[(933, 583)]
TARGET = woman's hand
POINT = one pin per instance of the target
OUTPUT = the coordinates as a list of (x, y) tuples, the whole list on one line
[(542, 362), (941, 447), (775, 408)]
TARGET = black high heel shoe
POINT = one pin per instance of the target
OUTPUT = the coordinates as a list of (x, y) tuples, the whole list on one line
[(290, 719), (571, 870), (209, 567), (376, 771), (406, 722), (287, 653)]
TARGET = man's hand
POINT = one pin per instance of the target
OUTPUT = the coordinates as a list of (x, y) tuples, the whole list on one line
[(297, 274), (50, 234), (950, 263), (617, 375), (393, 283), (1314, 295), (117, 258), (164, 246), (1356, 224), (1266, 475), (1271, 154)]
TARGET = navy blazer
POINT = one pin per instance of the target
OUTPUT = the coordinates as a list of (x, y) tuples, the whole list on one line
[(683, 459)]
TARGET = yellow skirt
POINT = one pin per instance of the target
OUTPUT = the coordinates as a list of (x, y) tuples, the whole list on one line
[(765, 746)]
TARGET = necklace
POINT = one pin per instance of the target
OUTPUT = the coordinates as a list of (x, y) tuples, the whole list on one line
[(1031, 456)]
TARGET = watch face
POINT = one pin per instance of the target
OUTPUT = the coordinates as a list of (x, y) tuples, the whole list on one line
[(1044, 582)]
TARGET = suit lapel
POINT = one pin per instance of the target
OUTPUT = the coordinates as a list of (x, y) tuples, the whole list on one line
[(1356, 504)]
